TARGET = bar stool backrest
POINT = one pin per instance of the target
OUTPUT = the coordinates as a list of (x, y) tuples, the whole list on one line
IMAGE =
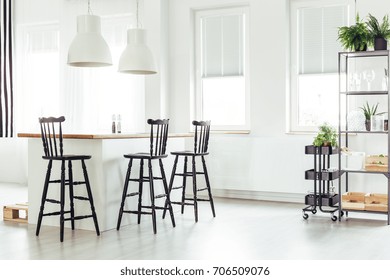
[(51, 133), (158, 136), (201, 137)]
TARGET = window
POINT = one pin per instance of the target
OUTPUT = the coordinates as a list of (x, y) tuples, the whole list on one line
[(314, 61), (38, 73), (222, 88)]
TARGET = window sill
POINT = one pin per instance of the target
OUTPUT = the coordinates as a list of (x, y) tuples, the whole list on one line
[(311, 133), (230, 131), (301, 132)]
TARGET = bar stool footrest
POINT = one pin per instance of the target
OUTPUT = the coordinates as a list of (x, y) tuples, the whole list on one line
[(137, 212), (144, 179), (81, 198), (202, 199), (155, 207), (198, 199), (160, 196), (132, 194), (55, 182), (181, 203), (52, 201), (178, 187), (54, 213), (203, 189), (79, 183), (183, 174), (79, 217)]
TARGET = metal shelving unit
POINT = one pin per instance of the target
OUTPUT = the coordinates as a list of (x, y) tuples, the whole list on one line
[(344, 58)]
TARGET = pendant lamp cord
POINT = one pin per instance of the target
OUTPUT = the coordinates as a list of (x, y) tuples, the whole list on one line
[(355, 10), (89, 8), (137, 16)]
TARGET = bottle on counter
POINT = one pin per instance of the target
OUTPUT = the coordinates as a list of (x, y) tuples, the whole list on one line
[(119, 124), (113, 126)]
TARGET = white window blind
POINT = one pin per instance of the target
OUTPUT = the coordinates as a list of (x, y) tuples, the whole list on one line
[(222, 45), (222, 67), (314, 61), (318, 44)]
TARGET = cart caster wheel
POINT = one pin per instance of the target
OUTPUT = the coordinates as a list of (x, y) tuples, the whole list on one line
[(305, 216), (314, 211), (334, 218)]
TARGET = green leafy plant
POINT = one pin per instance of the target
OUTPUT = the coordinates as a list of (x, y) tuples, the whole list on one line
[(327, 136), (369, 111), (376, 29), (355, 37)]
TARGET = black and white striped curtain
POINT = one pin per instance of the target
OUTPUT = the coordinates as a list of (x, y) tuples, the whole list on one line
[(6, 84)]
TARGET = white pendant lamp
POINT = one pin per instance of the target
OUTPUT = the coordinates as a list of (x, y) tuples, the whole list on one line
[(137, 57), (88, 48)]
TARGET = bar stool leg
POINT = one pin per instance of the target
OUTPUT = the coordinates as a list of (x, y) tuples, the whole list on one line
[(125, 187), (70, 176), (183, 193), (87, 184), (195, 188), (208, 185), (170, 184), (151, 185), (167, 200), (44, 195), (62, 201), (140, 190)]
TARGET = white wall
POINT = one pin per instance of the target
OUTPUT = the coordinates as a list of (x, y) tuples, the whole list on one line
[(13, 160)]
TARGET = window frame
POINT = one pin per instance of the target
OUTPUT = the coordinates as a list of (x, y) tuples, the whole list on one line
[(293, 96), (197, 106)]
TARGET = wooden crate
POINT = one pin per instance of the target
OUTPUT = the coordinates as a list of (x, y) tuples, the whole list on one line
[(353, 200), (376, 167), (375, 202), (13, 213), (381, 159), (376, 163)]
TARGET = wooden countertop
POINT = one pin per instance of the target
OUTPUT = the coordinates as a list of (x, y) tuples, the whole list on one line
[(105, 136)]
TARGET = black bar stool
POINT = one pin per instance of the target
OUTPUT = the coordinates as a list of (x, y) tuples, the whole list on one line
[(201, 140), (51, 132), (158, 142)]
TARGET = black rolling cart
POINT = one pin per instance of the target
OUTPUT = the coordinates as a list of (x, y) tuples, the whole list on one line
[(323, 197)]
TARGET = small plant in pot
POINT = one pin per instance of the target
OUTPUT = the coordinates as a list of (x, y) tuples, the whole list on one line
[(327, 136), (379, 32), (355, 37), (368, 112)]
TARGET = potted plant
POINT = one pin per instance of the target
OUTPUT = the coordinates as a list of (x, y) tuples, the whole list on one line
[(369, 111), (379, 32), (327, 136), (355, 37)]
